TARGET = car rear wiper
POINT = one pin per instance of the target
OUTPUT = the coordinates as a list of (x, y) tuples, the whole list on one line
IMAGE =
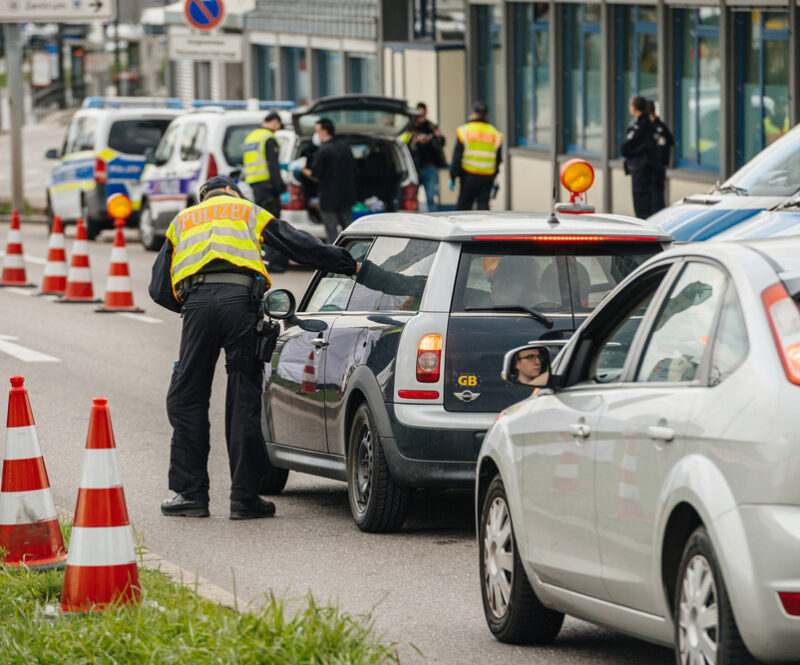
[(724, 189), (546, 321)]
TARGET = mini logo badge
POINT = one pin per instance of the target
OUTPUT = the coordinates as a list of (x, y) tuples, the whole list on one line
[(467, 396)]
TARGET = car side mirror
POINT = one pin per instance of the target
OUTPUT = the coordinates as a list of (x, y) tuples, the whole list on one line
[(52, 154), (236, 173), (149, 156), (280, 304), (530, 365)]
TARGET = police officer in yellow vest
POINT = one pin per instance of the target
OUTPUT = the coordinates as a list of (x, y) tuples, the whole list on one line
[(476, 158), (776, 124), (211, 271), (262, 169)]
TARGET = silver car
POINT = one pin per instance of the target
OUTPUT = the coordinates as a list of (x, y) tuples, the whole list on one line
[(652, 484)]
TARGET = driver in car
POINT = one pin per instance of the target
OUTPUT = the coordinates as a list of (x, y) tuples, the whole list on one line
[(532, 367)]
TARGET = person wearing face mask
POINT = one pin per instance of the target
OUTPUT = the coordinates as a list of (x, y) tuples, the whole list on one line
[(334, 170)]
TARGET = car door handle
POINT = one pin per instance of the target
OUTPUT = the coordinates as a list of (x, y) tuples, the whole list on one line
[(581, 430), (660, 433), (319, 343)]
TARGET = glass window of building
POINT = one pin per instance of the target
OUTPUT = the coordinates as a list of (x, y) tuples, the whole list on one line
[(697, 97), (329, 73), (491, 70), (264, 68), (295, 72), (438, 20), (531, 48), (362, 74), (637, 60), (762, 81), (582, 61)]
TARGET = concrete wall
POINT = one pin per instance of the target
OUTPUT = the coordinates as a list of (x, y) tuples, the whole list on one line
[(531, 183), (677, 189), (621, 193), (451, 102), (421, 79)]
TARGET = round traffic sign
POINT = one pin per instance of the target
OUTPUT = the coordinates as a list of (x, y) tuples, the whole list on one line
[(119, 206), (204, 14)]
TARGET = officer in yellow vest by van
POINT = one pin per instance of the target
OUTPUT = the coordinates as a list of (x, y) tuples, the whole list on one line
[(211, 271), (475, 159), (262, 169)]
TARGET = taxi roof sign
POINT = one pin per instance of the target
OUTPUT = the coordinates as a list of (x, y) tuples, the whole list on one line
[(119, 206)]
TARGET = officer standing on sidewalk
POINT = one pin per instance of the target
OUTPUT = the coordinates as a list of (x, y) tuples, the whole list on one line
[(475, 159), (211, 271), (639, 152), (664, 141)]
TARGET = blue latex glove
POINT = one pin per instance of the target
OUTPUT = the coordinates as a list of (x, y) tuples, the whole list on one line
[(452, 185)]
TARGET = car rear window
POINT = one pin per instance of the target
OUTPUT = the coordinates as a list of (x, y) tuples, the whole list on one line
[(233, 143), (133, 137)]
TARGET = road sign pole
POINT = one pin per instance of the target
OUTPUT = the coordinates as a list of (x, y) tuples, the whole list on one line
[(15, 98)]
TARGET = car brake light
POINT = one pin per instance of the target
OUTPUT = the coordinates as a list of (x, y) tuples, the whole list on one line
[(429, 357), (556, 237), (100, 173), (410, 201), (213, 172), (418, 394), (296, 201), (791, 603), (784, 319)]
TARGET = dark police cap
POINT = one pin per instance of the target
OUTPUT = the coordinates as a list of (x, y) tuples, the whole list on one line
[(219, 182), (273, 115)]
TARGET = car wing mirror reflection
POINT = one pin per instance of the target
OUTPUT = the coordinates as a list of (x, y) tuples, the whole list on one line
[(280, 304)]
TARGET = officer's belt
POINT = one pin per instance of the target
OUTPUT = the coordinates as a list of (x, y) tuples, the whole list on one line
[(220, 278)]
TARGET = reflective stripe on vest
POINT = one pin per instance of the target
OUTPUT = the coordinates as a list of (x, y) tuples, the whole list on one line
[(223, 227), (481, 142), (256, 168)]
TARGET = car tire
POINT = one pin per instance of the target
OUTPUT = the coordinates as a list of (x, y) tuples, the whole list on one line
[(700, 592), (151, 240), (377, 503), (93, 227), (520, 617), (274, 479)]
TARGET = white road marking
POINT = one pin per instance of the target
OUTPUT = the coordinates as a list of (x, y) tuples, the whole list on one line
[(22, 353), (140, 317), (20, 291)]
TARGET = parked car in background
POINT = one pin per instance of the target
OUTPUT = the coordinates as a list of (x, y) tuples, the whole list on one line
[(198, 145), (396, 381), (780, 220), (767, 180), (103, 154), (653, 485)]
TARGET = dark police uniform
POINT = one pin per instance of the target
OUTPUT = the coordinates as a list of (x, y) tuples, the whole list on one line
[(211, 270), (664, 141), (638, 149), (476, 158)]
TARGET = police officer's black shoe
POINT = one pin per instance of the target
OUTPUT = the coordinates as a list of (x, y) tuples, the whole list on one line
[(252, 509), (178, 506)]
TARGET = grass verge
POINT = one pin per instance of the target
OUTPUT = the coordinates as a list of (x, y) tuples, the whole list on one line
[(175, 625)]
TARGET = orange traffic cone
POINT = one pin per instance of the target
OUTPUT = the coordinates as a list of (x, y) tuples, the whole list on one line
[(119, 295), (54, 282), (79, 277), (309, 380), (14, 261), (565, 479), (29, 530), (101, 568)]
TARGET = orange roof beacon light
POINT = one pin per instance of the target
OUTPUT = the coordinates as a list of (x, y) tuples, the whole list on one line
[(577, 176), (119, 208)]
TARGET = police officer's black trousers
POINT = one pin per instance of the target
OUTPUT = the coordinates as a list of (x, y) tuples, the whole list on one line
[(657, 192), (642, 192), (474, 188), (217, 316)]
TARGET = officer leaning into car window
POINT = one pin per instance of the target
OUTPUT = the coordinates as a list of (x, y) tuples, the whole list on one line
[(476, 158), (211, 271), (664, 142), (639, 151)]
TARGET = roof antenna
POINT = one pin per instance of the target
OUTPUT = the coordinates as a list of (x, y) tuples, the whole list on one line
[(553, 220)]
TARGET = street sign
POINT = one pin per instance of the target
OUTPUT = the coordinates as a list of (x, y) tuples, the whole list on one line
[(210, 48), (56, 11), (204, 14)]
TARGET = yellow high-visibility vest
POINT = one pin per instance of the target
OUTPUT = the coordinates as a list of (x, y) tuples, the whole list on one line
[(772, 131), (256, 168), (481, 143), (222, 227)]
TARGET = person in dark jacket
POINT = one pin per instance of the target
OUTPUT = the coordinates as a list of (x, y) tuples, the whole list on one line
[(426, 142), (664, 142), (334, 170), (639, 152), (210, 270)]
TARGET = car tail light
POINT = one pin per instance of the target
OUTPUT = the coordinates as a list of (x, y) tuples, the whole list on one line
[(556, 237), (100, 172), (791, 603), (418, 394), (296, 201), (429, 359), (410, 201), (213, 171), (784, 319)]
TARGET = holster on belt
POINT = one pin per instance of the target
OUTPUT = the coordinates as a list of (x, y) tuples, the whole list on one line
[(268, 332)]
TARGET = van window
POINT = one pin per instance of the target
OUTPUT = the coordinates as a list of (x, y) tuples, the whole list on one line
[(133, 137), (233, 143), (193, 142), (167, 145), (80, 136)]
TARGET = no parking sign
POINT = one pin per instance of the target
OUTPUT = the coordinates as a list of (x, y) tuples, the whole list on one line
[(204, 14)]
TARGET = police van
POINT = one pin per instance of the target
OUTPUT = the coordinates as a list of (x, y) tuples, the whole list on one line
[(103, 154), (198, 145)]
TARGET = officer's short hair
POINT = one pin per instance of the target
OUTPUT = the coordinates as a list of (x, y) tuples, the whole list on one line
[(217, 183), (651, 107), (422, 105), (639, 103), (481, 110), (327, 125), (273, 115)]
